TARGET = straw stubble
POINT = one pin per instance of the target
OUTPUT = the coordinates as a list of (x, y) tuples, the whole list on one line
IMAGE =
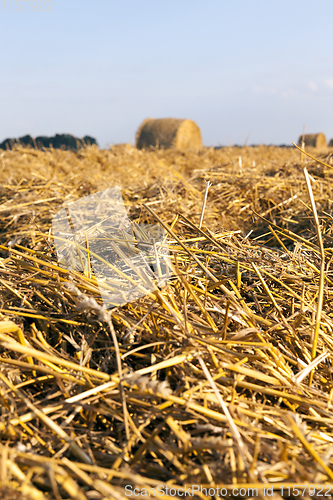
[(215, 365)]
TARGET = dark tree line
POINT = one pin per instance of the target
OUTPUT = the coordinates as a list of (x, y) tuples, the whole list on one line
[(59, 141)]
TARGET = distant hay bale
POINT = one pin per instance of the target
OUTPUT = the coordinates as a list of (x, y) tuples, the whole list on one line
[(313, 140), (165, 133), (331, 143)]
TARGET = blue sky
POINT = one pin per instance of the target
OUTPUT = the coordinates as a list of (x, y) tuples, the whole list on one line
[(256, 69)]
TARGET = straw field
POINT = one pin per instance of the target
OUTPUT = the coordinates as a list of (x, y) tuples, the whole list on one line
[(222, 378)]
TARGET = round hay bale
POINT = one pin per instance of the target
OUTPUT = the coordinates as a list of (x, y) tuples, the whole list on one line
[(330, 144), (313, 140), (182, 135)]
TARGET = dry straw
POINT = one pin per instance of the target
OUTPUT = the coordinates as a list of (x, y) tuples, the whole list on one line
[(182, 135), (222, 378)]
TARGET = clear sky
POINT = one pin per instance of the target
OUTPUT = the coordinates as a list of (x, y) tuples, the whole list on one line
[(256, 69)]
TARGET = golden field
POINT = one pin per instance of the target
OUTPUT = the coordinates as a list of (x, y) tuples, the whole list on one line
[(226, 371)]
